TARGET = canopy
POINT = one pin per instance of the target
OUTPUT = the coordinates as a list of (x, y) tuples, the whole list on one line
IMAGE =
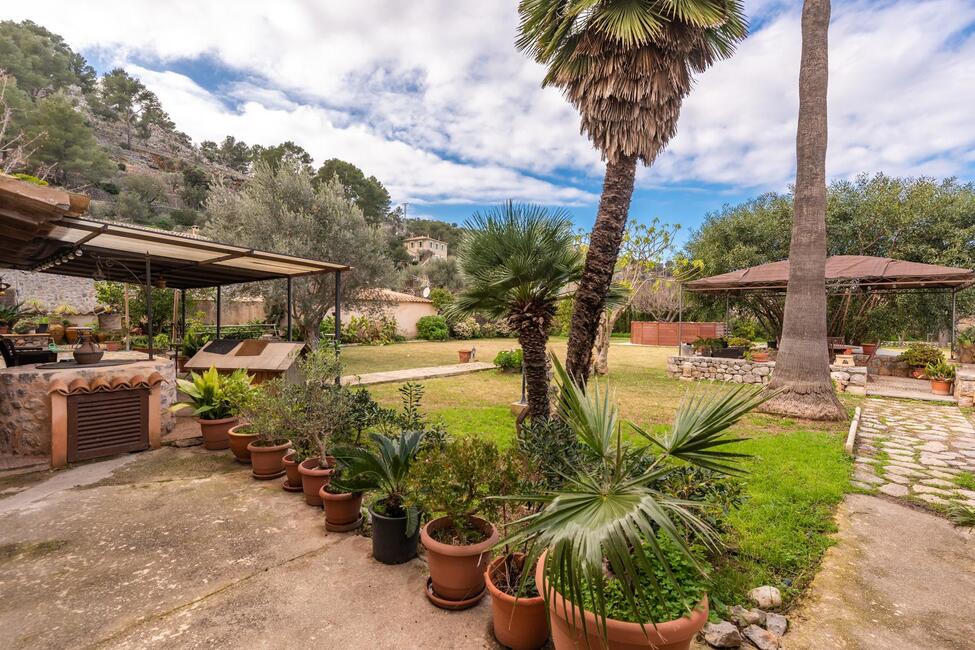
[(41, 230), (843, 272)]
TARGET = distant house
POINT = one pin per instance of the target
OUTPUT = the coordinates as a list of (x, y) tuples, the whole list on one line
[(406, 309), (417, 246)]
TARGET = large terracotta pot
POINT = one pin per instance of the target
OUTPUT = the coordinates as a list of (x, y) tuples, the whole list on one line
[(941, 386), (313, 478), (215, 432), (464, 356), (870, 349), (457, 572), (519, 624), (669, 635), (343, 512), (267, 462), (292, 481), (238, 443)]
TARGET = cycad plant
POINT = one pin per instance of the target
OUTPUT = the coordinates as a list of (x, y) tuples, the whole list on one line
[(626, 65), (517, 261), (611, 519)]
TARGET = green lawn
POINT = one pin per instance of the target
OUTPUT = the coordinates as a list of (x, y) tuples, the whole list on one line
[(797, 473)]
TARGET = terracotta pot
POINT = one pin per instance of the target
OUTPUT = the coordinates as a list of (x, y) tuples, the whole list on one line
[(870, 349), (760, 357), (4, 329), (314, 477), (519, 624), (464, 355), (941, 386), (71, 334), (457, 572), (343, 512), (292, 481), (215, 432), (669, 635), (113, 346), (238, 443), (267, 462), (917, 373)]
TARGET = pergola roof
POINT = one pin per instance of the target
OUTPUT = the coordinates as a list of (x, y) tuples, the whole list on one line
[(41, 230), (843, 272)]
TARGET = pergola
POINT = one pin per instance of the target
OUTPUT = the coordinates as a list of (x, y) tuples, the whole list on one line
[(846, 273), (42, 230)]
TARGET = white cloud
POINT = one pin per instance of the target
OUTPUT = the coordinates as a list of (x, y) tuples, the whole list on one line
[(432, 97)]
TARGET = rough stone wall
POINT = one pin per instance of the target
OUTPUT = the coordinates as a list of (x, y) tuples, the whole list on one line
[(888, 366), (25, 406), (52, 290), (965, 385), (741, 371)]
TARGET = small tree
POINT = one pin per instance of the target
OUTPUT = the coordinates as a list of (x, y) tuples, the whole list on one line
[(517, 261), (66, 146), (281, 211), (125, 99)]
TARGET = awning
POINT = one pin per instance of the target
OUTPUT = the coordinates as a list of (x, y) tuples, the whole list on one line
[(843, 272), (41, 230)]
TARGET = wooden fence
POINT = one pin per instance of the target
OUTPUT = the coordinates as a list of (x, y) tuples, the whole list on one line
[(658, 333)]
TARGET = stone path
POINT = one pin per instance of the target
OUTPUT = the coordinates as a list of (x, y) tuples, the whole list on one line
[(414, 374), (920, 452)]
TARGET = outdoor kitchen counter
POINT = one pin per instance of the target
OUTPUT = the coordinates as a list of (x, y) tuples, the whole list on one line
[(25, 402)]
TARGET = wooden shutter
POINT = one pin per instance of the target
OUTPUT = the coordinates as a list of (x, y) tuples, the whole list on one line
[(103, 424)]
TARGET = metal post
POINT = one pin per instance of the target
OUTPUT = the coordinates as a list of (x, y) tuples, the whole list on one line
[(218, 311), (182, 315), (288, 319), (338, 317), (954, 323), (149, 303), (680, 317)]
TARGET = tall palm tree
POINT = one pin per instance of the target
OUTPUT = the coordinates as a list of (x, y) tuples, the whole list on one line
[(516, 261), (802, 367), (626, 65)]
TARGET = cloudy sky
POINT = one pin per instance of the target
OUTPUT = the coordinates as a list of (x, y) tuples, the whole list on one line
[(432, 97)]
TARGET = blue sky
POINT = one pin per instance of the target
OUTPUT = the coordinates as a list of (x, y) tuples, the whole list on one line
[(432, 97)]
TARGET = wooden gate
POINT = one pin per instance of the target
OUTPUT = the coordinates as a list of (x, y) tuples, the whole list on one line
[(662, 333)]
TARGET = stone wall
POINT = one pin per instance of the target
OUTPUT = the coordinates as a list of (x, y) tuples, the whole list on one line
[(886, 365), (965, 385), (25, 406), (51, 290), (850, 379)]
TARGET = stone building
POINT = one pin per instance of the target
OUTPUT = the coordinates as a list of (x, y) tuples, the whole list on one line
[(418, 246)]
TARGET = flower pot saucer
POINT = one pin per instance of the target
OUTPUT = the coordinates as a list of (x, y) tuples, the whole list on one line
[(333, 528), (290, 488), (267, 477), (454, 605)]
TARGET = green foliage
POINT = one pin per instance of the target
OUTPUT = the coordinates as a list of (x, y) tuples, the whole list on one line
[(368, 194), (737, 341), (111, 295), (551, 451), (213, 396), (919, 355), (34, 180), (286, 154), (458, 479), (40, 60), (708, 343), (10, 314), (123, 98), (377, 330), (160, 341), (231, 153), (444, 272), (966, 336), (196, 188), (509, 359), (184, 217), (441, 299), (940, 370), (603, 513), (65, 143), (24, 326), (432, 328)]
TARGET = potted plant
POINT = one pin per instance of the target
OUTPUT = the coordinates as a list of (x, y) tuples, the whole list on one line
[(615, 556), (215, 399), (24, 326), (343, 510), (757, 356), (385, 469), (9, 315), (918, 356), (942, 374), (966, 345), (453, 482), (264, 445), (509, 360), (267, 454), (465, 356), (108, 317)]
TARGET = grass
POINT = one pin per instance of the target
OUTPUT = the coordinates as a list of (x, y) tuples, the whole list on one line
[(797, 474), (965, 480)]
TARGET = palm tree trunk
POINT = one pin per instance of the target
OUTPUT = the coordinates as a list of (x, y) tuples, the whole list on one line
[(802, 366), (535, 366), (604, 248)]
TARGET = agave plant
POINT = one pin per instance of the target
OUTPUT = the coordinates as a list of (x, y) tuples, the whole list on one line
[(386, 470), (612, 515)]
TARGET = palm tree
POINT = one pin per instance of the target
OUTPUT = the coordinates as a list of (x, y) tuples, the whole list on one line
[(626, 65), (610, 514), (516, 261), (802, 366)]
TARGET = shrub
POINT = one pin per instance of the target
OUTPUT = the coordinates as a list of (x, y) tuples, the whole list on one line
[(738, 341), (184, 217), (30, 179), (509, 359), (940, 370), (467, 328), (919, 355), (432, 328), (441, 298)]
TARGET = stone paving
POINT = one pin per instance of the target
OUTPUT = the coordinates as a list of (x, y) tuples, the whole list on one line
[(916, 451), (415, 374)]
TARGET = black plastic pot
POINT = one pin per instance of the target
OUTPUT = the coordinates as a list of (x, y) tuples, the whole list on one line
[(390, 545)]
